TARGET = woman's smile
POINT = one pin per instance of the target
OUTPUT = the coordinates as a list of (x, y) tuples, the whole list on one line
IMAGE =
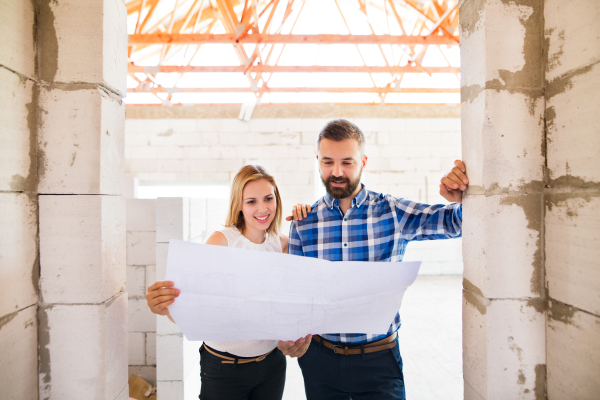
[(263, 219)]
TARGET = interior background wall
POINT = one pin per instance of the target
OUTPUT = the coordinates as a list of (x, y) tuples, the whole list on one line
[(407, 154)]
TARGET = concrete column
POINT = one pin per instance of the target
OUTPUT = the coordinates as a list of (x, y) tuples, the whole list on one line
[(177, 359), (572, 198), (82, 313), (19, 264), (504, 151), (174, 359), (141, 273)]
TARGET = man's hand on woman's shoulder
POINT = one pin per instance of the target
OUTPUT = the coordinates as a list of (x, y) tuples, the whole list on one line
[(299, 212), (454, 183)]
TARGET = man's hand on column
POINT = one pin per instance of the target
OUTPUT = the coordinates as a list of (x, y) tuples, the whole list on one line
[(295, 349), (454, 183)]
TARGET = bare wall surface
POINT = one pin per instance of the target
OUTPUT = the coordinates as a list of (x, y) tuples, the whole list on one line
[(407, 158), (19, 262), (141, 273), (504, 349), (63, 68), (572, 198), (530, 128)]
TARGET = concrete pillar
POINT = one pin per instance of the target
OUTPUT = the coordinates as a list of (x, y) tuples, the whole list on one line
[(82, 313), (177, 359), (572, 198), (19, 264), (173, 364), (141, 273), (504, 349)]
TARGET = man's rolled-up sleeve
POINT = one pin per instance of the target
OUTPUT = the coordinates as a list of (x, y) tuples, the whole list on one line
[(418, 221), (295, 242)]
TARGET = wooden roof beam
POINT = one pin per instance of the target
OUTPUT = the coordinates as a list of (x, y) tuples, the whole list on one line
[(300, 69), (265, 89), (230, 38)]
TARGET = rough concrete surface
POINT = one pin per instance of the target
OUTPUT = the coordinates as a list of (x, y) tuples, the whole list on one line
[(503, 144), (502, 351), (573, 125), (141, 318), (80, 141), (17, 26), (511, 62), (19, 366), (74, 30), (17, 166), (136, 281), (95, 362), (82, 248), (141, 248), (573, 250), (573, 353), (501, 244), (19, 266), (571, 34), (504, 138)]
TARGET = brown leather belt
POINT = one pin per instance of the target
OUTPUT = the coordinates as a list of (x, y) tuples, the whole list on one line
[(380, 345), (231, 360)]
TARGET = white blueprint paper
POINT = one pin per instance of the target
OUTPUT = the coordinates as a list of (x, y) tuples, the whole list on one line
[(237, 294)]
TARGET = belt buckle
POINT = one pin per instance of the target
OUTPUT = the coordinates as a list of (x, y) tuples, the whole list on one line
[(258, 359), (341, 347)]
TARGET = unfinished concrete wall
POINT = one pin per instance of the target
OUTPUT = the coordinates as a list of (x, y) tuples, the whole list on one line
[(572, 198), (83, 304), (63, 314), (531, 142), (504, 349), (141, 273), (19, 267), (407, 157), (178, 359)]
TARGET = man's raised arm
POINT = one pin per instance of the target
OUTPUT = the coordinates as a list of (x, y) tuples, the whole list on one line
[(429, 222)]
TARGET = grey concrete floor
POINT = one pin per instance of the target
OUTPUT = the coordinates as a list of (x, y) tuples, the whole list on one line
[(430, 342)]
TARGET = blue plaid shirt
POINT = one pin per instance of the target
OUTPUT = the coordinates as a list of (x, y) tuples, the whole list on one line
[(375, 228)]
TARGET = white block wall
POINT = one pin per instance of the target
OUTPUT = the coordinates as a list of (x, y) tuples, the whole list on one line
[(572, 233), (531, 314), (81, 50), (407, 158), (141, 273), (19, 262), (177, 359)]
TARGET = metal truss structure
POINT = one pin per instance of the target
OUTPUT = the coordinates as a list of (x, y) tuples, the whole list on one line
[(166, 36)]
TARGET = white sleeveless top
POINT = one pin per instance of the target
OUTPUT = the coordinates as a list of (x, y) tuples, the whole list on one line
[(247, 348)]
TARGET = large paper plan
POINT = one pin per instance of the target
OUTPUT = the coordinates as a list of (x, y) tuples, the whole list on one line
[(237, 294)]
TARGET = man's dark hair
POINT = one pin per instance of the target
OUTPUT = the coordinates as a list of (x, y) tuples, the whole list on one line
[(341, 129)]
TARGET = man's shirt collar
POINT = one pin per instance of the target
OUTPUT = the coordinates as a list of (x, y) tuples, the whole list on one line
[(357, 201)]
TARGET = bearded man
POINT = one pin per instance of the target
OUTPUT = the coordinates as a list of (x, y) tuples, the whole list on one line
[(351, 223)]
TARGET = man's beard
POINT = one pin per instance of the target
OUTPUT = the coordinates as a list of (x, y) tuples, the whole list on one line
[(344, 191)]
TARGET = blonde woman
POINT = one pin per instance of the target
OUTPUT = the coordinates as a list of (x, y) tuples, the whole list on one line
[(248, 369)]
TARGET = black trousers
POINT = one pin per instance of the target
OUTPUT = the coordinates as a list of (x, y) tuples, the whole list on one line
[(263, 380)]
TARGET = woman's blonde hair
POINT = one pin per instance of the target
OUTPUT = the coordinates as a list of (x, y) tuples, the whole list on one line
[(251, 173)]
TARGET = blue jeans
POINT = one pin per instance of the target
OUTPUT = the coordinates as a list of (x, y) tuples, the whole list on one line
[(331, 376)]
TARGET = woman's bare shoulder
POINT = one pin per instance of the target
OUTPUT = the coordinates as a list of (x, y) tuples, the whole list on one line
[(217, 239), (284, 243)]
